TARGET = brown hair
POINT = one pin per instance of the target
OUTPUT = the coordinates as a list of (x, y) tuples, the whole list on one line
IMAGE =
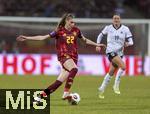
[(62, 22), (116, 14)]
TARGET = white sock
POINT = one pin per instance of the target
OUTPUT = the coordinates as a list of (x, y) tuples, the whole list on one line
[(118, 75), (105, 82), (66, 93)]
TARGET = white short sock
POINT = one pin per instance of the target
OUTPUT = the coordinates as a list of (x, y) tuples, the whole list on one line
[(105, 82), (118, 75)]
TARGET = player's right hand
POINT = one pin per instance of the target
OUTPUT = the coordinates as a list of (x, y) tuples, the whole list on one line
[(98, 49), (21, 38)]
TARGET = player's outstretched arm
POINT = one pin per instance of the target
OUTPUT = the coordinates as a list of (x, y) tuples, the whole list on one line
[(89, 42), (99, 38), (39, 37)]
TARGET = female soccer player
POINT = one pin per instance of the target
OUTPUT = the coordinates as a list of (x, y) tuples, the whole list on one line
[(66, 35), (118, 37)]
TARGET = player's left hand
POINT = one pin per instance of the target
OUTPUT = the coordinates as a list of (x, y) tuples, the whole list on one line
[(126, 44), (21, 38)]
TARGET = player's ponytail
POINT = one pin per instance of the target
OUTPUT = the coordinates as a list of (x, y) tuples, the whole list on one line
[(63, 20)]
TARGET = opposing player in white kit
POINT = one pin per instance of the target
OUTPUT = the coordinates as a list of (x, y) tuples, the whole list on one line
[(118, 37)]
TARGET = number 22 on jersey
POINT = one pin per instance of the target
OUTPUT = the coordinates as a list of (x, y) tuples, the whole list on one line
[(70, 39)]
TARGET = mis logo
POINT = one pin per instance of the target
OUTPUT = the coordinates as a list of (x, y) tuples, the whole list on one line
[(18, 101)]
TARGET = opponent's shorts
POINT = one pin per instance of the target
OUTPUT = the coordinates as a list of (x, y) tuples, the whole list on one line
[(112, 55)]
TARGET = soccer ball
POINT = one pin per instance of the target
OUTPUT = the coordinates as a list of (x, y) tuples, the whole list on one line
[(75, 99)]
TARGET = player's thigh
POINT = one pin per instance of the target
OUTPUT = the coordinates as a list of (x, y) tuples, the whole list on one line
[(112, 69), (63, 75), (69, 64), (117, 60)]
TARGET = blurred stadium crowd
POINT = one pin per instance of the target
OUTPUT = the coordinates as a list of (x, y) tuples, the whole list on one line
[(82, 8), (55, 8)]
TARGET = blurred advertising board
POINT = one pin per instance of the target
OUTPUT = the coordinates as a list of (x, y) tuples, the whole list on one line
[(36, 64)]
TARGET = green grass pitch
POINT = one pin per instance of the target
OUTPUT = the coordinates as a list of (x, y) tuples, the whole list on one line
[(134, 98)]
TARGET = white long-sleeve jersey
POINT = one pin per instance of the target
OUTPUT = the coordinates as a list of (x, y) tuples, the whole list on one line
[(116, 37)]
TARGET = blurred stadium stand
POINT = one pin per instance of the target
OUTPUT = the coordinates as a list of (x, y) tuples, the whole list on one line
[(82, 8), (55, 8)]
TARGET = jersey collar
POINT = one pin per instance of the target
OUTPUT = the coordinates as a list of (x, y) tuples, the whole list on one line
[(118, 27)]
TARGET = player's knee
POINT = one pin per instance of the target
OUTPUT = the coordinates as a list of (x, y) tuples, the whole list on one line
[(123, 67), (73, 73), (75, 70), (111, 73)]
